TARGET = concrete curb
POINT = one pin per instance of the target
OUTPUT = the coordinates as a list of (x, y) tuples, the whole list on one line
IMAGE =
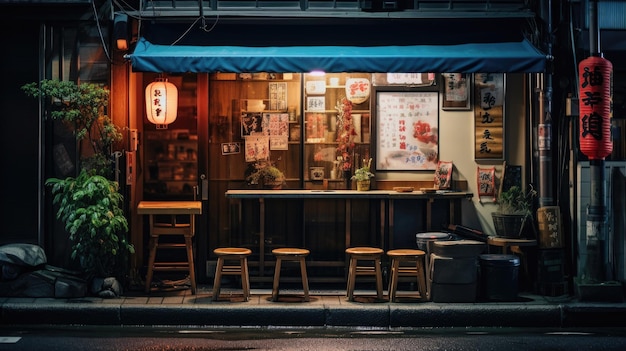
[(423, 315)]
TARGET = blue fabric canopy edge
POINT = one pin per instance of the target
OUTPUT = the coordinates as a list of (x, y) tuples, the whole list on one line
[(501, 57)]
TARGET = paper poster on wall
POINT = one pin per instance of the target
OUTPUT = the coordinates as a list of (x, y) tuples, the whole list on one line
[(251, 124), (407, 130), (276, 124), (279, 143), (486, 182), (257, 148)]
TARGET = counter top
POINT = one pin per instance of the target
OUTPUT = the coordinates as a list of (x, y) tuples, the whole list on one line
[(334, 194), (169, 207)]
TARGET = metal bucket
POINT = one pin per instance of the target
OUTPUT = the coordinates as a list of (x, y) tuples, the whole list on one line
[(425, 240)]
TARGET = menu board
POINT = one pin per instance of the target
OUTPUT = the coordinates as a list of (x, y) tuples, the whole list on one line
[(407, 130)]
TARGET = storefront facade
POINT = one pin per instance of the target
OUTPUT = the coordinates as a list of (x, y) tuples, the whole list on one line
[(221, 57), (247, 55)]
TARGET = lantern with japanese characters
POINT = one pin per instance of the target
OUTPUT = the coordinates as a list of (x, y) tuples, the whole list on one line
[(595, 79), (161, 102)]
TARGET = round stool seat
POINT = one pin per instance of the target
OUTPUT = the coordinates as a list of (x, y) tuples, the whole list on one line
[(288, 251), (229, 251), (364, 251), (290, 254), (230, 254), (399, 253), (417, 271)]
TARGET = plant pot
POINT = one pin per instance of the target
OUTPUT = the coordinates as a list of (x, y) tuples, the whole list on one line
[(508, 225), (362, 185)]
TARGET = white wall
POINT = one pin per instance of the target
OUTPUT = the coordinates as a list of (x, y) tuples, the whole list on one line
[(456, 144)]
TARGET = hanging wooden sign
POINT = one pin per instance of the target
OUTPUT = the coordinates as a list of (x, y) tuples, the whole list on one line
[(489, 91)]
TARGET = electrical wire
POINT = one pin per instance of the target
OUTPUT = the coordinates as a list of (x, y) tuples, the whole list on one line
[(104, 47)]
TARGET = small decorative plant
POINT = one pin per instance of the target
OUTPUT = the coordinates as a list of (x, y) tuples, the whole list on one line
[(515, 201), (514, 208), (267, 175), (363, 173)]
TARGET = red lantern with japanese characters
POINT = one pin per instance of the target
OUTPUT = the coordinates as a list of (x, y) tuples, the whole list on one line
[(161, 102), (595, 79)]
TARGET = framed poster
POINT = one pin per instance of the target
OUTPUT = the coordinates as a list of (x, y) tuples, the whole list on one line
[(456, 91), (489, 94), (407, 130)]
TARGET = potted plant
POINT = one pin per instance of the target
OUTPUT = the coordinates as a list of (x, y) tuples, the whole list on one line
[(266, 175), (514, 208), (89, 204), (363, 176)]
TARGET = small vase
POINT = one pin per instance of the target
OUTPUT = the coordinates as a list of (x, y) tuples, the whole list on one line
[(362, 185)]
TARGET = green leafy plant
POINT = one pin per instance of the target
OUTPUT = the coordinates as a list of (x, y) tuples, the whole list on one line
[(515, 201), (90, 204), (363, 173), (265, 174), (83, 109), (90, 207)]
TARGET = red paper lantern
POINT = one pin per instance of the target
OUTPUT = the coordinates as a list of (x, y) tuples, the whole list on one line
[(595, 107), (161, 102)]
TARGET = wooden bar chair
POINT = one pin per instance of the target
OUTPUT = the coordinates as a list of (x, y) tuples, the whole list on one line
[(158, 229), (416, 257), (372, 254), (226, 254), (290, 254)]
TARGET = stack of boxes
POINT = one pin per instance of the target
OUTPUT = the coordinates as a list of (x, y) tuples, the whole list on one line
[(453, 270)]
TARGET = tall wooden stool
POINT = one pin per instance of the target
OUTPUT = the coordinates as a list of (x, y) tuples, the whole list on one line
[(290, 254), (364, 254), (172, 228), (232, 254), (397, 270)]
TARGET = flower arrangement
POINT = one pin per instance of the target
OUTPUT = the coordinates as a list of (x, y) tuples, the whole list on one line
[(345, 133), (363, 173)]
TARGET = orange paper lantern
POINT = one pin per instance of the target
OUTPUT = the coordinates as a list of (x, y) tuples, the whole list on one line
[(161, 102)]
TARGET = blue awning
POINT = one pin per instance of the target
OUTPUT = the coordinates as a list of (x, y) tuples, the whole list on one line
[(500, 57)]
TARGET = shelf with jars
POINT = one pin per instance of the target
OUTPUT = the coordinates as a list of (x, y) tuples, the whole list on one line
[(337, 112)]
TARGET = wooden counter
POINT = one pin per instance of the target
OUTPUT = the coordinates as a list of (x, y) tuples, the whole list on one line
[(387, 200)]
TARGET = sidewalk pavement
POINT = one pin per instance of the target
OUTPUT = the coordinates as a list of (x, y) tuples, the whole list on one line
[(325, 309)]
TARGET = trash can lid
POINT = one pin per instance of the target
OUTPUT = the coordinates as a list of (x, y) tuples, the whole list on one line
[(432, 235), (499, 260)]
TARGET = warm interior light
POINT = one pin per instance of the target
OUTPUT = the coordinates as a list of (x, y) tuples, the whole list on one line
[(317, 73), (120, 31), (161, 102)]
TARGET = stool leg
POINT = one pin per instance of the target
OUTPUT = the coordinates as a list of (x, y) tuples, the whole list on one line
[(154, 242), (245, 282), (192, 269), (421, 278), (393, 282), (305, 279), (276, 279), (218, 278), (379, 279), (351, 279)]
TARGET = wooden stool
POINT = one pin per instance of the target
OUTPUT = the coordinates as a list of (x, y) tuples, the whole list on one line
[(172, 228), (369, 254), (232, 254), (407, 255), (290, 254)]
